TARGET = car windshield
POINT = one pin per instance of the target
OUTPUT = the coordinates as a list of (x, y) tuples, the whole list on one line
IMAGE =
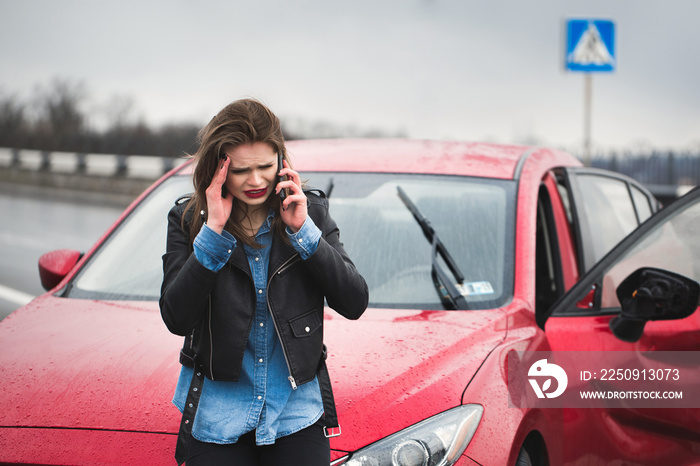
[(473, 217)]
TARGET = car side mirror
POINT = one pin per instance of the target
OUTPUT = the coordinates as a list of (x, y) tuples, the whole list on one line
[(652, 294), (55, 265)]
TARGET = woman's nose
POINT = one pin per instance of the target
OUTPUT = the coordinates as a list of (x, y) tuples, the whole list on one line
[(254, 178)]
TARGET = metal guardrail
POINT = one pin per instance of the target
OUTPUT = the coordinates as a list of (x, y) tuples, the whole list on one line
[(143, 167), (102, 178)]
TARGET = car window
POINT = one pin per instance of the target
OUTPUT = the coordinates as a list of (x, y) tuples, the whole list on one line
[(609, 210), (641, 203), (672, 246), (474, 218)]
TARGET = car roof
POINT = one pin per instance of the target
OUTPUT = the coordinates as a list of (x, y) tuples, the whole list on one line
[(407, 156), (479, 159)]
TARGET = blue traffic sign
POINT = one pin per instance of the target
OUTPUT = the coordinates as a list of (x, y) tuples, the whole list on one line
[(590, 45)]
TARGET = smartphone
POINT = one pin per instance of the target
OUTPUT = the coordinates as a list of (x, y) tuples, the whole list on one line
[(280, 165)]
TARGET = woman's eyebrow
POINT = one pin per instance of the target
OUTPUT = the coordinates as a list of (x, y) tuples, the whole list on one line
[(246, 167)]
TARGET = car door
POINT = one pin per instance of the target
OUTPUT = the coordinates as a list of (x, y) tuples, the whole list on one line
[(582, 213), (580, 321)]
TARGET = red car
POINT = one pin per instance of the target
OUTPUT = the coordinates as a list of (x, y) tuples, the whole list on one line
[(468, 250)]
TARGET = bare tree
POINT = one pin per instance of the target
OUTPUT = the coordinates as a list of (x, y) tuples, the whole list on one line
[(60, 120), (13, 124), (119, 111)]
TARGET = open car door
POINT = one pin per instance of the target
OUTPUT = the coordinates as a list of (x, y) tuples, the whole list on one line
[(590, 317), (607, 207)]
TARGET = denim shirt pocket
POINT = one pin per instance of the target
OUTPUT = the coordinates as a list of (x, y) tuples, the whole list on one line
[(306, 324)]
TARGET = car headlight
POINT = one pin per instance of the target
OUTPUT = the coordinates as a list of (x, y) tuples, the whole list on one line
[(437, 441)]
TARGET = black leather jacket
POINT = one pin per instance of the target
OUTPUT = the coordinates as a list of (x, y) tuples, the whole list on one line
[(214, 310)]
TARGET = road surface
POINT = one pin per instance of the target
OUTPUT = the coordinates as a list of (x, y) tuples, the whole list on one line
[(34, 221)]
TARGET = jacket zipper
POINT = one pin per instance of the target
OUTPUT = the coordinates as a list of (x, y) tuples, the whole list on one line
[(281, 268), (211, 345)]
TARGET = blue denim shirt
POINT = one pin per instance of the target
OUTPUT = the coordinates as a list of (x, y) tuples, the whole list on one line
[(262, 398)]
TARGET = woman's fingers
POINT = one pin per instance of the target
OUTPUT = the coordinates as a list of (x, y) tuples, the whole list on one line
[(220, 177), (218, 203), (293, 181), (294, 209), (292, 185)]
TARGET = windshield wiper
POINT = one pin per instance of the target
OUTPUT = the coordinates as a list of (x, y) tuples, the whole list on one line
[(448, 291), (329, 187)]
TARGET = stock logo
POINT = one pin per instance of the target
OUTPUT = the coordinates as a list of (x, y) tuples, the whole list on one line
[(542, 369)]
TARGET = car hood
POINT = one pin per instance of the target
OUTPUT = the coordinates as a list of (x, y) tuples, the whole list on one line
[(393, 368), (88, 364)]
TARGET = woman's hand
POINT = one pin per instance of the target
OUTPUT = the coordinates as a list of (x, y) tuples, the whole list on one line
[(219, 207), (294, 210)]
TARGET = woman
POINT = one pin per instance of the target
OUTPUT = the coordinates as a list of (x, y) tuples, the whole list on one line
[(245, 278)]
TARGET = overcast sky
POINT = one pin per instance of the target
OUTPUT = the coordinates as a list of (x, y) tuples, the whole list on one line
[(439, 69)]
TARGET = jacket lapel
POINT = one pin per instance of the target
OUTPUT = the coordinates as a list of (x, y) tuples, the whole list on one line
[(239, 260), (279, 254)]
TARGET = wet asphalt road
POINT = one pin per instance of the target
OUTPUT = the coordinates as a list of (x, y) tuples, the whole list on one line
[(34, 221)]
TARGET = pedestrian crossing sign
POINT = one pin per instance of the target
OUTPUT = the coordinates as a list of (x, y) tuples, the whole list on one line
[(590, 45)]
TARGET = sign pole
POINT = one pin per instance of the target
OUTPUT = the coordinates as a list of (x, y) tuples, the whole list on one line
[(590, 48), (587, 101)]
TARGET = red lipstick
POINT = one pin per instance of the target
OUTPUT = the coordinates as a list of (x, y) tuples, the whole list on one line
[(255, 193)]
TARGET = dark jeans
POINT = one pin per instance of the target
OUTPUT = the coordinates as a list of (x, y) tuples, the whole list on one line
[(308, 447)]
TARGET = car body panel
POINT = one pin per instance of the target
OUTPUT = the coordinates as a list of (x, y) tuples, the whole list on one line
[(85, 447), (404, 360), (88, 366), (504, 427)]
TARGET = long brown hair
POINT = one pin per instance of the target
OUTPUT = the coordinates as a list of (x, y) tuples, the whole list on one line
[(244, 121)]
